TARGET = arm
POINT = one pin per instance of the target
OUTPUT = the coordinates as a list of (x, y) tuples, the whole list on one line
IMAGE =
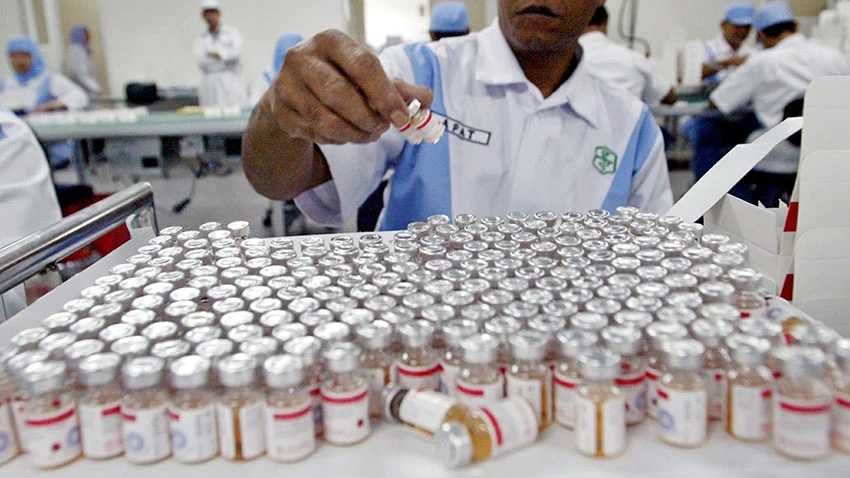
[(67, 93), (738, 90), (79, 71), (232, 47), (205, 62), (657, 88), (709, 70)]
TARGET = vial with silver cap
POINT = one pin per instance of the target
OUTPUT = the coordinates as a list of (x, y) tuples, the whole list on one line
[(627, 342), (530, 377), (600, 406), (423, 126), (289, 425), (375, 338), (191, 411), (657, 333), (308, 349), (712, 333), (418, 366), (100, 406), (567, 375), (748, 300), (50, 430), (748, 407), (345, 396), (682, 395), (841, 390), (454, 332), (239, 410), (480, 382)]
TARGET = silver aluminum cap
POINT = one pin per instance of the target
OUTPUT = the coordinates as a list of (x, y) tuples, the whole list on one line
[(142, 372), (283, 371), (243, 333), (377, 335), (286, 332), (115, 332), (316, 318), (502, 327), (745, 279), (416, 333), (599, 364), (214, 349), (660, 332), (263, 306), (841, 352), (589, 321), (529, 345), (633, 318), (720, 311), (748, 350), (88, 327), (307, 348), (59, 322), (274, 318), (160, 331), (189, 372), (197, 319), (548, 324), (683, 354), (803, 362), (479, 349), (622, 339), (260, 348), (202, 334), (717, 292), (454, 444), (573, 341), (342, 357), (356, 317), (711, 333), (22, 360), (237, 370), (99, 369), (133, 346), (56, 343), (678, 314), (171, 349), (45, 377), (139, 317), (82, 349), (332, 332), (235, 319), (29, 338), (454, 331)]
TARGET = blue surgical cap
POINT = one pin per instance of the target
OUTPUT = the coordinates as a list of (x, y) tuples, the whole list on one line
[(740, 14), (450, 17), (284, 43), (772, 14), (24, 44), (78, 35)]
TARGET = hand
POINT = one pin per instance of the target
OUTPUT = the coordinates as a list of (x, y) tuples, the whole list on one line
[(738, 60), (214, 55), (49, 106), (332, 91)]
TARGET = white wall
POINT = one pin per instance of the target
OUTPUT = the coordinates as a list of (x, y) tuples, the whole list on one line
[(408, 19), (154, 39)]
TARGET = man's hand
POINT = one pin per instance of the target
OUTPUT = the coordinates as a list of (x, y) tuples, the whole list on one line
[(332, 91)]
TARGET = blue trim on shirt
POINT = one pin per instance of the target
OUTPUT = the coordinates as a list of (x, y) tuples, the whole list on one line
[(268, 76), (421, 186), (643, 140), (43, 94), (2, 134)]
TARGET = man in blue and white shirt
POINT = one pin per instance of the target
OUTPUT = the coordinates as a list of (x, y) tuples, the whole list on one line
[(528, 127)]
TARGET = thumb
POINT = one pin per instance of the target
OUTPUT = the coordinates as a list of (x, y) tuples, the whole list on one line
[(410, 92)]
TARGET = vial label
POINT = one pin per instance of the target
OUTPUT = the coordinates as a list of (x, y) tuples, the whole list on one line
[(750, 412), (17, 407), (378, 379), (634, 388), (425, 410), (146, 435), (290, 433), (413, 378), (101, 430), (801, 427), (52, 439), (532, 391), (564, 391), (717, 389), (511, 425), (682, 417), (481, 394), (840, 422), (247, 424), (600, 427), (193, 434), (653, 375), (318, 413), (8, 441), (346, 415), (448, 378)]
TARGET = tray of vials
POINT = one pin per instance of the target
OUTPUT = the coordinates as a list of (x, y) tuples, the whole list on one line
[(475, 334)]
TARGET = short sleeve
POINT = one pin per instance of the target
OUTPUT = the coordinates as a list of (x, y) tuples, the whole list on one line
[(738, 89), (67, 92), (656, 86)]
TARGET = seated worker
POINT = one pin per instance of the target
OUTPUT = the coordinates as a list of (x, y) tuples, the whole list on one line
[(727, 51), (27, 197), (448, 20), (266, 78), (621, 66), (528, 127), (773, 79)]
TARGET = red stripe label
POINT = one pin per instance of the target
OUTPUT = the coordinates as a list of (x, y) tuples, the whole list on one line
[(404, 128), (842, 402), (128, 418), (652, 376), (630, 382), (172, 415), (292, 416), (793, 216), (427, 120), (718, 377), (52, 420), (343, 401), (423, 373), (316, 391), (766, 394), (111, 411), (777, 374), (663, 394), (496, 427), (804, 410), (745, 315), (470, 391), (564, 384)]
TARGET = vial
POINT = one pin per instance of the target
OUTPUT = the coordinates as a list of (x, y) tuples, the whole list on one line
[(502, 327), (750, 390), (419, 365), (240, 410), (191, 411), (7, 389), (454, 332), (50, 430), (308, 350), (712, 334), (345, 396), (600, 406), (487, 432), (289, 424), (627, 342), (841, 389), (682, 395), (530, 377), (480, 382), (100, 406), (375, 338), (801, 405), (423, 411), (747, 298), (658, 333), (567, 375)]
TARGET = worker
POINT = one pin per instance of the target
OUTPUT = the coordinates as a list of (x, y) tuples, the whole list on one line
[(448, 20), (728, 50), (79, 64), (622, 66), (771, 81), (266, 78), (27, 196), (217, 51), (528, 127)]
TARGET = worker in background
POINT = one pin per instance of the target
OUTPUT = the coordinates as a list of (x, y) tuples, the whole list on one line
[(529, 128), (771, 81), (727, 50), (27, 197), (621, 66), (217, 51), (266, 78), (79, 64), (448, 20)]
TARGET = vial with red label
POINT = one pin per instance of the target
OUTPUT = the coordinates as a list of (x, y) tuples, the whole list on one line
[(423, 126), (454, 332), (289, 425), (376, 338), (600, 406), (419, 364), (7, 389), (748, 408), (345, 396), (480, 382), (658, 333), (682, 395), (530, 377), (841, 392), (628, 343), (50, 431), (567, 375), (308, 350), (712, 333), (191, 411), (239, 410), (100, 406), (748, 300)]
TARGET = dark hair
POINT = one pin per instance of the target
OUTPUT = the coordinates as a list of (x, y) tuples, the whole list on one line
[(599, 17), (780, 28)]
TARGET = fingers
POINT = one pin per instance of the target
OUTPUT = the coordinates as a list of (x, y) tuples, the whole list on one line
[(410, 92), (312, 119)]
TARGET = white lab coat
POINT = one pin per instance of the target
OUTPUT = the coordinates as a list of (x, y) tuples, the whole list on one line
[(81, 70), (718, 49), (27, 197), (45, 87), (222, 83)]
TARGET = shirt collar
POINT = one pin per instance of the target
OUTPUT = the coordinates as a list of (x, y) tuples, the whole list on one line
[(791, 41), (593, 37)]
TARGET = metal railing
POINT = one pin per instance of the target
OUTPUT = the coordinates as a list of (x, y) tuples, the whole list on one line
[(27, 257)]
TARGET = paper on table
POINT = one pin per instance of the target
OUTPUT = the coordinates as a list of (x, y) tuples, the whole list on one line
[(729, 170)]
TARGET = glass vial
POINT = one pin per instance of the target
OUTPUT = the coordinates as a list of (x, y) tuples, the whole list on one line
[(712, 333), (50, 431), (529, 377), (422, 126), (191, 411), (658, 333), (100, 406), (376, 338), (239, 410), (750, 391), (7, 389), (308, 350), (423, 411), (600, 406), (454, 332), (682, 395), (289, 424), (146, 433), (345, 396), (419, 365), (627, 342), (841, 389), (480, 382), (748, 300), (567, 376)]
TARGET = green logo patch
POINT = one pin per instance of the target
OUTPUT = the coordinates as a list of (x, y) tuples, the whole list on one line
[(605, 161)]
